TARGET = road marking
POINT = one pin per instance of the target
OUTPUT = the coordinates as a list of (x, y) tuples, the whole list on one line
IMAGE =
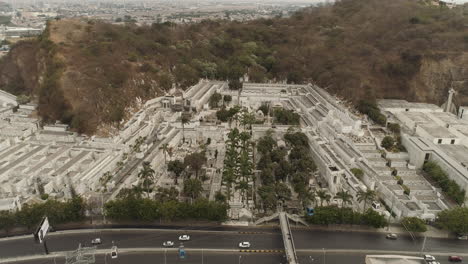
[(212, 250), (144, 230), (261, 250)]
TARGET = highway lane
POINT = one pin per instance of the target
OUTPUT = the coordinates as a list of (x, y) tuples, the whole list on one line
[(348, 258), (316, 239), (141, 239), (173, 258), (265, 239), (224, 258)]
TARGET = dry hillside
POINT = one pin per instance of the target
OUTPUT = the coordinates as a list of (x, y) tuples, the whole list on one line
[(87, 72)]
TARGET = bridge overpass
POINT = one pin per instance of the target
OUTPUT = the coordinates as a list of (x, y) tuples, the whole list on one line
[(288, 240)]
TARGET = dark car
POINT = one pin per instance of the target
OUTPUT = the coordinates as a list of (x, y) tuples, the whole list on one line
[(455, 259)]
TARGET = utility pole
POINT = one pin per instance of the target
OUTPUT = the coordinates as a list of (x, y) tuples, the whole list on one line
[(165, 259), (391, 211), (424, 244), (202, 255)]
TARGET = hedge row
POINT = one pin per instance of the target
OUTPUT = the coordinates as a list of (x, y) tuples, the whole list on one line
[(330, 215), (140, 209)]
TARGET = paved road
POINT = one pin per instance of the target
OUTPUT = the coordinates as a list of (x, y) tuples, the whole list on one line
[(224, 258), (141, 239), (173, 258), (265, 239), (310, 239)]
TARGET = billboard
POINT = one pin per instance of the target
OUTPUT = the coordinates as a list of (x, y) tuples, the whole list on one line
[(41, 230)]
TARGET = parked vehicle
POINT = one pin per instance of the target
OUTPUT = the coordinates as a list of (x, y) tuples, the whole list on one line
[(462, 237), (96, 241), (392, 236), (168, 244), (455, 259), (184, 238), (429, 258), (244, 244)]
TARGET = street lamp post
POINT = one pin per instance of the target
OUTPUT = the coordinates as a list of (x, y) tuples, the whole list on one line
[(323, 255), (311, 259), (240, 257)]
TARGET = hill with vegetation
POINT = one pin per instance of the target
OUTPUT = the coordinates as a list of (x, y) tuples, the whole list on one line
[(92, 75)]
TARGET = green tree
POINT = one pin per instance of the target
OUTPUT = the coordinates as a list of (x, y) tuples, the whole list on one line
[(323, 195), (247, 119), (455, 220), (193, 188), (345, 197), (220, 197), (146, 174), (268, 196), (195, 161), (374, 219), (282, 191), (214, 100), (366, 197), (266, 143), (394, 127), (387, 142), (227, 99), (165, 149), (414, 224), (167, 194), (177, 167)]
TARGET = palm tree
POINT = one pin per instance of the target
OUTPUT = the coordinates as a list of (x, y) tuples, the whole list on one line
[(147, 175), (193, 188), (243, 186), (323, 196), (184, 120), (344, 196), (165, 150), (328, 198), (367, 196)]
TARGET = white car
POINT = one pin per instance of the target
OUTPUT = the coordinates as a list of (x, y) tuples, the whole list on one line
[(184, 238), (462, 237), (114, 252), (168, 244), (244, 244), (96, 241), (429, 258)]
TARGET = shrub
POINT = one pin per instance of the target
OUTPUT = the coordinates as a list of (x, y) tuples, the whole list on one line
[(357, 172), (394, 127), (406, 189), (387, 142), (372, 111), (448, 186)]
